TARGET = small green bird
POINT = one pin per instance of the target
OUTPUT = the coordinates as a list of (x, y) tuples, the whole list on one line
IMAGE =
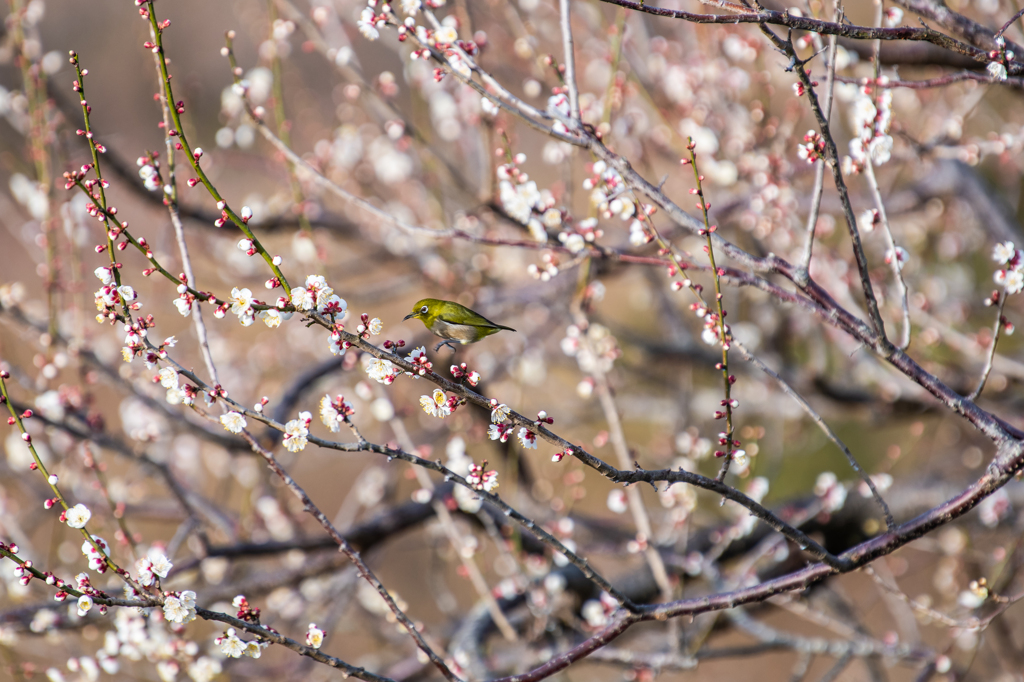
[(453, 321)]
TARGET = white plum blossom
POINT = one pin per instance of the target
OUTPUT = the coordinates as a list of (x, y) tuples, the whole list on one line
[(499, 413), (527, 438), (436, 405), (303, 299), (411, 7), (741, 462), (1014, 281), (366, 24), (233, 421), (594, 613), (149, 175), (105, 274), (231, 645), (168, 377), (871, 127), (97, 559), (445, 34), (1003, 253), (996, 70), (180, 608), (271, 317), (296, 431), (150, 567), (376, 326), (84, 604), (497, 432), (161, 564), (380, 370), (973, 597), (336, 344), (331, 305), (314, 635), (994, 508), (519, 200), (205, 669), (617, 501), (558, 106), (638, 234), (880, 149), (241, 301), (184, 306), (332, 413), (831, 491), (489, 107), (78, 516)]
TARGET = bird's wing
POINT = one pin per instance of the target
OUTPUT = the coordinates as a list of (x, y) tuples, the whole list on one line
[(472, 318)]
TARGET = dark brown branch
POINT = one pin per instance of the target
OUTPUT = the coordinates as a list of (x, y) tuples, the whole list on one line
[(792, 22)]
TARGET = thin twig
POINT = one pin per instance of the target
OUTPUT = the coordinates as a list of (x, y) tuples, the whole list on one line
[(832, 160), (634, 497), (179, 229), (565, 18), (876, 194), (1008, 24), (894, 258), (819, 165), (997, 327)]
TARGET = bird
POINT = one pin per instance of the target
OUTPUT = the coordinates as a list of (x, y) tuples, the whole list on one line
[(453, 321)]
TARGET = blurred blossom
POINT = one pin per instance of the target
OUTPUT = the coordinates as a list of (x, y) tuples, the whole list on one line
[(390, 166)]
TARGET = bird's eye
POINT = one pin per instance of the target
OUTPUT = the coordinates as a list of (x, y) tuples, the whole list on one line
[(423, 310)]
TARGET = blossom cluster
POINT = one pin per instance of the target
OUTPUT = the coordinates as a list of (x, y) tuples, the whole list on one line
[(1010, 274), (462, 371), (595, 349), (232, 646), (1000, 57), (871, 118), (316, 294), (481, 479), (180, 607), (184, 394), (97, 560), (149, 172), (520, 197), (831, 491), (335, 411), (813, 147), (380, 370), (438, 404), (418, 357), (296, 432), (152, 566), (713, 332)]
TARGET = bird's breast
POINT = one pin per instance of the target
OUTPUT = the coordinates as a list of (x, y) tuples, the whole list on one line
[(463, 333)]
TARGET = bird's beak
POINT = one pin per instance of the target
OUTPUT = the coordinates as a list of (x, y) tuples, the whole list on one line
[(410, 315)]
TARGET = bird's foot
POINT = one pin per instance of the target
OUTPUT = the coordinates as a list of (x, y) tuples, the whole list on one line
[(449, 343)]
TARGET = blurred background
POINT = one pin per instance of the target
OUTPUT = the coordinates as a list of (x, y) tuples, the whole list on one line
[(593, 329)]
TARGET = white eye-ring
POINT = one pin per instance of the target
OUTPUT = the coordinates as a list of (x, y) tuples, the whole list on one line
[(423, 309)]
